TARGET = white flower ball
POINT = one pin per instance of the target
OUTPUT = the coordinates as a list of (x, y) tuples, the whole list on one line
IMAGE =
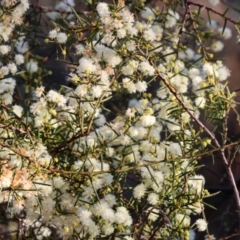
[(32, 67), (61, 37)]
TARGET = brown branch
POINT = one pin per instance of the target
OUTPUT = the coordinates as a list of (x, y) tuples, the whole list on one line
[(211, 135), (13, 128), (55, 150), (231, 236), (15, 115), (213, 11), (184, 20)]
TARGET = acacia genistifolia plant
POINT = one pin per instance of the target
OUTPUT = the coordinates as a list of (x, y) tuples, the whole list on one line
[(113, 153)]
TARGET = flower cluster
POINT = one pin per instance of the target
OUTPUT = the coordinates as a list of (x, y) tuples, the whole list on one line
[(74, 172)]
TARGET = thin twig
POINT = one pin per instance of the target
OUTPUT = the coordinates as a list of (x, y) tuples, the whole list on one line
[(230, 6), (214, 11), (211, 135), (231, 236)]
